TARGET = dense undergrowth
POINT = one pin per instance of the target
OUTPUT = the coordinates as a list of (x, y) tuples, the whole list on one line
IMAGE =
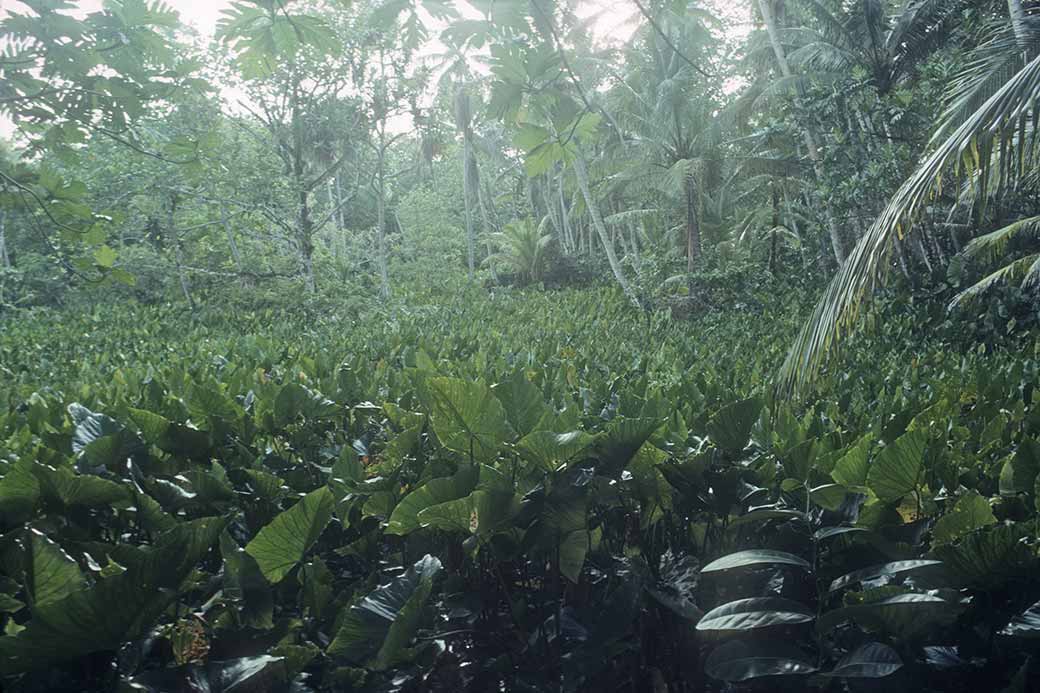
[(513, 491)]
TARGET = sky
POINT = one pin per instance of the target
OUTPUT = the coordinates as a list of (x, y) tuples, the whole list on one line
[(615, 20)]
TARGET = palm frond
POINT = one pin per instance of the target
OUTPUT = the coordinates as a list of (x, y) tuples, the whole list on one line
[(864, 270), (1019, 269), (991, 246)]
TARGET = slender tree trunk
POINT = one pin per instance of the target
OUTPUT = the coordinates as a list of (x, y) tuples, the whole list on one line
[(568, 233), (5, 260), (693, 229), (467, 197), (304, 225), (236, 256), (772, 232), (582, 174), (837, 245), (178, 254), (384, 274)]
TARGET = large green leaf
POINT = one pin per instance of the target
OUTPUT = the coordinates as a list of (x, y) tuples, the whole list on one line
[(904, 615), (404, 518), (295, 401), (65, 487), (874, 572), (100, 440), (989, 556), (280, 545), (851, 470), (897, 469), (50, 572), (245, 585), (467, 417), (971, 512), (377, 629), (870, 661), (758, 612), (549, 450), (116, 608), (730, 427), (19, 493), (1020, 472), (737, 661), (522, 402), (754, 557)]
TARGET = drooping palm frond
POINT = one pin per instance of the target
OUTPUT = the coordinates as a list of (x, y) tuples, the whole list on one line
[(630, 215), (1025, 269), (995, 131), (991, 246)]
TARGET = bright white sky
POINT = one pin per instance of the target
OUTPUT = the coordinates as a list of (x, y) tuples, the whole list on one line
[(615, 20)]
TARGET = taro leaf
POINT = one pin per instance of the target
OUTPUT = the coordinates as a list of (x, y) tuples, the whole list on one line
[(259, 674), (211, 486), (828, 496), (522, 402), (481, 513), (9, 604), (19, 493), (316, 582), (737, 661), (574, 546), (904, 615), (730, 427), (378, 628), (970, 513), (677, 588), (1019, 474), (897, 469), (873, 660), (245, 585), (754, 557), (100, 440), (1025, 625), (758, 612), (405, 517), (615, 447), (174, 438), (51, 574), (280, 545), (988, 557), (549, 450), (877, 571), (295, 400), (467, 417), (851, 470), (829, 532), (763, 514), (116, 608), (65, 487)]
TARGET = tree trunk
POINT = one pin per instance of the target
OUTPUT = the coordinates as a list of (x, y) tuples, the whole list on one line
[(693, 229), (568, 234), (582, 174), (5, 259), (837, 245), (467, 198), (1020, 25), (384, 275), (178, 254), (236, 256)]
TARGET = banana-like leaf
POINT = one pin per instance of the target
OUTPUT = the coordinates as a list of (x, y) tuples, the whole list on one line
[(737, 661), (754, 557), (758, 612)]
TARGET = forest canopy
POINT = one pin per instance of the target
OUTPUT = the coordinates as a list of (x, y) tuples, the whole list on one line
[(519, 345)]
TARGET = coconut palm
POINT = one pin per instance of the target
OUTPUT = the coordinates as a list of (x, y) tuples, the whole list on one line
[(671, 111), (988, 131)]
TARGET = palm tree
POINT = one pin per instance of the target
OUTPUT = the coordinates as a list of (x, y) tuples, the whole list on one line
[(988, 130), (521, 247), (670, 112)]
